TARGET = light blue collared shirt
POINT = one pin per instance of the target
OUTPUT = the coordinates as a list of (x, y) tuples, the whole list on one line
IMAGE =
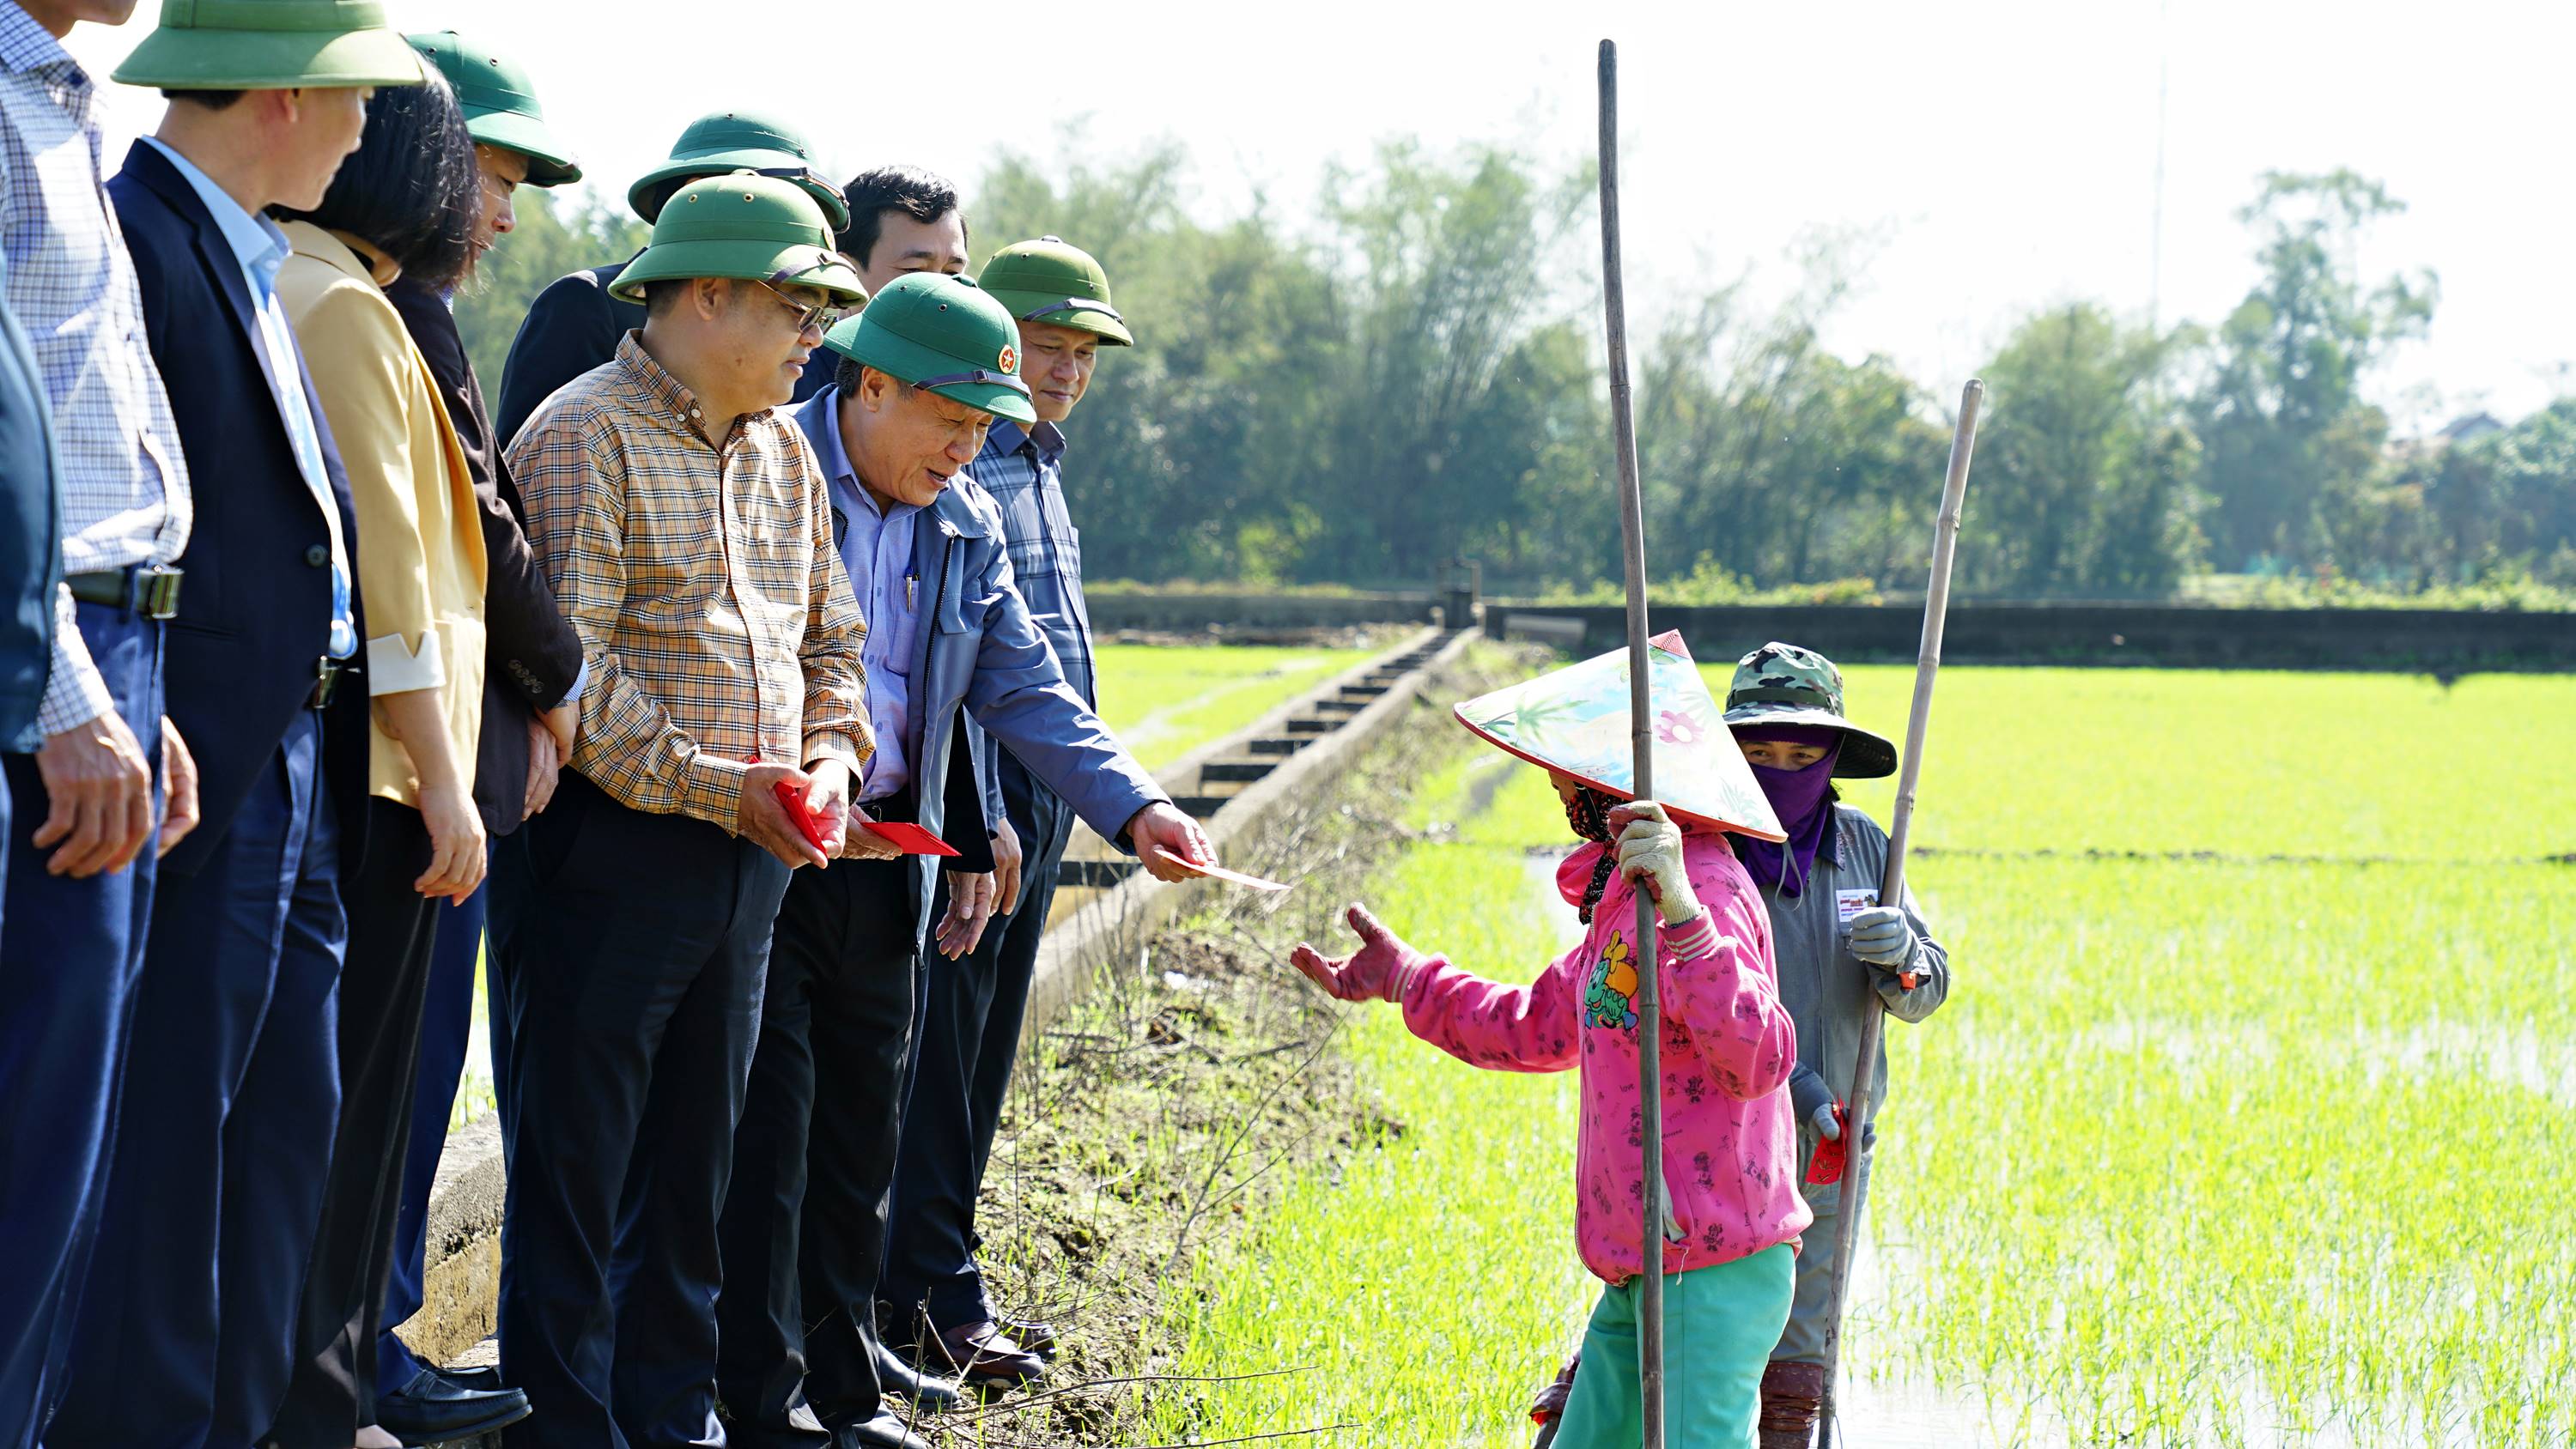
[(260, 247), (876, 549)]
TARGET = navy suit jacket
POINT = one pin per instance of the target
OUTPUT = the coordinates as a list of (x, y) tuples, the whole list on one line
[(31, 536), (255, 612)]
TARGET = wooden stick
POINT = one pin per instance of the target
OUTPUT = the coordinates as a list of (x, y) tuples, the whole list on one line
[(1641, 739), (1891, 888)]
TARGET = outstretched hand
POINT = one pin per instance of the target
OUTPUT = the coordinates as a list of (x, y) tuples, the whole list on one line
[(1379, 971)]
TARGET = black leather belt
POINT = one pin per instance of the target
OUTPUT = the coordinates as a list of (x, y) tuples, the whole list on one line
[(148, 590), (326, 680)]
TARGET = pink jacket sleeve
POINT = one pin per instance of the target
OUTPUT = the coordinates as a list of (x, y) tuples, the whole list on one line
[(1488, 1024), (1724, 988)]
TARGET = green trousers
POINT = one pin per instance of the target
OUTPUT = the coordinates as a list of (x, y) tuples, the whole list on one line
[(1719, 1325)]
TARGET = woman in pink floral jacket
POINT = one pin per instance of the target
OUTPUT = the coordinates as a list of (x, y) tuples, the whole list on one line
[(1730, 1148)]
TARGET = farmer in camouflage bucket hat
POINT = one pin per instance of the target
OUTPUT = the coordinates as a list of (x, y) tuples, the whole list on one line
[(1841, 957), (1783, 685)]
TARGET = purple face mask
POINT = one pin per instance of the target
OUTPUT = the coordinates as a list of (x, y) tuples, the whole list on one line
[(1802, 799)]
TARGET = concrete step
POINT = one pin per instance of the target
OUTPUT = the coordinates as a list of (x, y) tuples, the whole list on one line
[(1235, 771), (1276, 745), (1312, 726), (1200, 807)]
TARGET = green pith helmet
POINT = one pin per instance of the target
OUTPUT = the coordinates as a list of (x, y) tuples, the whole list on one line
[(1049, 280), (1782, 684), (500, 105), (745, 226), (943, 333), (271, 45), (724, 141)]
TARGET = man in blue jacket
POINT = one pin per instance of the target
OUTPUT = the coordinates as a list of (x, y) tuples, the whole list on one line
[(925, 368), (1059, 299)]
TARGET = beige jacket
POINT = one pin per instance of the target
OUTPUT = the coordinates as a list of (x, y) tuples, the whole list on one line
[(420, 540)]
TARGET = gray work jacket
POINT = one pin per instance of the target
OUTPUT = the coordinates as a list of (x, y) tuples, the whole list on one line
[(1828, 990)]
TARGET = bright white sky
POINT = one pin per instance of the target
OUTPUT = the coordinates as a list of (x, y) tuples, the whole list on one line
[(2003, 154)]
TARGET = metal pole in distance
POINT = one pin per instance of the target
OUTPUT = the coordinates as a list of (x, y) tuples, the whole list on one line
[(1891, 889), (1632, 538)]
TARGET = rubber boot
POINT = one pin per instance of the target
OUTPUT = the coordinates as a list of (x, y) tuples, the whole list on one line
[(1791, 1395)]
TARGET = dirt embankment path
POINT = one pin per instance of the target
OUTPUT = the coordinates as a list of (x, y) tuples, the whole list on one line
[(1165, 1110)]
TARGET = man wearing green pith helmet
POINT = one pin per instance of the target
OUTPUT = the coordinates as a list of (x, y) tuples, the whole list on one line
[(1059, 301), (575, 323), (688, 538), (923, 371)]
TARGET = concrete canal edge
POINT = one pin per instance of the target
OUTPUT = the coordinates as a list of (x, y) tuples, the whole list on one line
[(1106, 907)]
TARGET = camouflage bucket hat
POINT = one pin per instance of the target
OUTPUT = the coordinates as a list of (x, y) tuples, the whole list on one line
[(1782, 684)]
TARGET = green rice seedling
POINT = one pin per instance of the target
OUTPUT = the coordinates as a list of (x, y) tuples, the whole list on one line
[(2242, 1153)]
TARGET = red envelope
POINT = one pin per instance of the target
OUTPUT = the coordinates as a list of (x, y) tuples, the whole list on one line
[(909, 838), (807, 821)]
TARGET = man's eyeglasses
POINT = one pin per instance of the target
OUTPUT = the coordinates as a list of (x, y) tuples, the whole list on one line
[(823, 316)]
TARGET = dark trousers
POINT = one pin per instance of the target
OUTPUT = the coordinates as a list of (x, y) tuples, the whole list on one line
[(446, 1028), (187, 1320), (635, 947), (69, 962), (383, 989), (969, 1043), (804, 1229)]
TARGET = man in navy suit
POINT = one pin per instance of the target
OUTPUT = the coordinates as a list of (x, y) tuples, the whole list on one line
[(187, 1317)]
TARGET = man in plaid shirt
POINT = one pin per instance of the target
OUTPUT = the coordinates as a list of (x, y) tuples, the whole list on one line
[(688, 536)]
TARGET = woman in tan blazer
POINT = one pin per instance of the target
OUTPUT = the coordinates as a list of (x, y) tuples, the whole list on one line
[(404, 202)]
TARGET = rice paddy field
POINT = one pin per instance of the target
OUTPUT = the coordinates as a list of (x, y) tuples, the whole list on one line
[(2251, 1119)]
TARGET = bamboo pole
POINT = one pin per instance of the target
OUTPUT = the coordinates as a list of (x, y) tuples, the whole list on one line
[(1632, 538), (1891, 889)]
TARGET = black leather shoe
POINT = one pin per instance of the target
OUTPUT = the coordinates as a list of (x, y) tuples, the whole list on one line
[(488, 1377), (904, 1381), (432, 1410), (1033, 1335), (885, 1431)]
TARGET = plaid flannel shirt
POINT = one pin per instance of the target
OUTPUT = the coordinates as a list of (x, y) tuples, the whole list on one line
[(125, 481), (716, 623)]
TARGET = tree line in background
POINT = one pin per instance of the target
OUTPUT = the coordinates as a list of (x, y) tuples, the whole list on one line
[(1357, 396)]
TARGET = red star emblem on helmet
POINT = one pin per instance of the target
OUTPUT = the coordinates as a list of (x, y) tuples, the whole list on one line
[(1010, 358)]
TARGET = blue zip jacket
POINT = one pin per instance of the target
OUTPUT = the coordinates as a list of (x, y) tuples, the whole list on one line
[(980, 652)]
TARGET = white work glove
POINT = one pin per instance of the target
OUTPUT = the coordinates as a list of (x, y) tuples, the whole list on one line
[(1649, 848), (1881, 937)]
